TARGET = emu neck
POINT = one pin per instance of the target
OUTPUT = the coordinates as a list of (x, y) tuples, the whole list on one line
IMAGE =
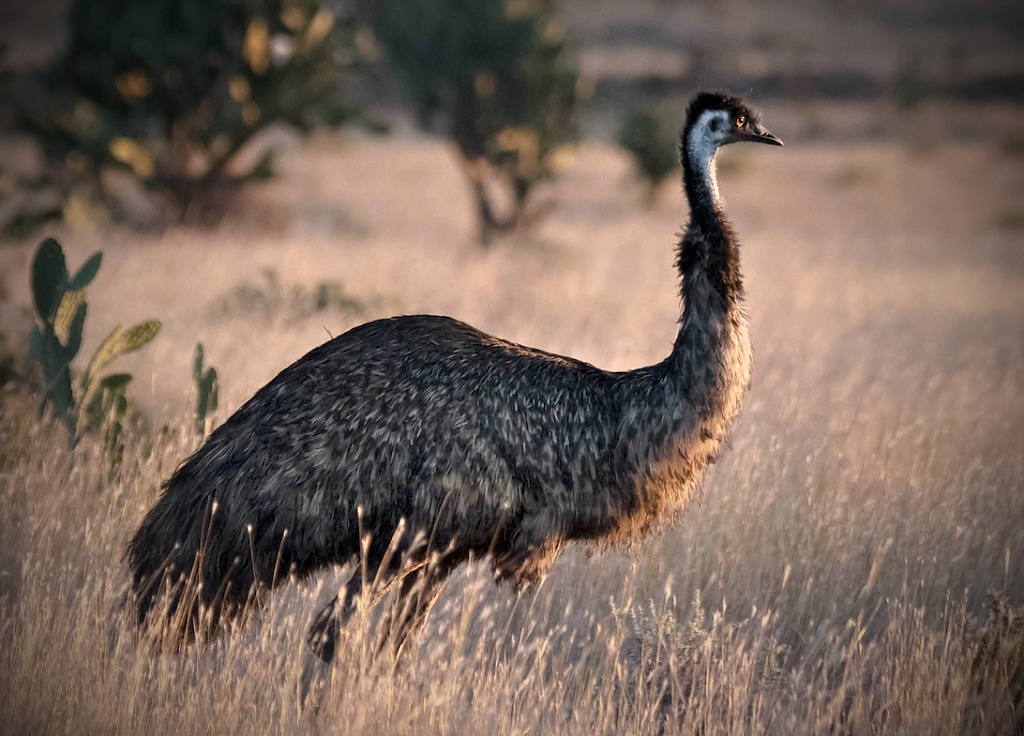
[(700, 180), (694, 394), (712, 340), (708, 252)]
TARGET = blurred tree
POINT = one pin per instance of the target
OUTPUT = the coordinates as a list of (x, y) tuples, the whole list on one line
[(653, 143), (20, 211), (497, 77), (171, 91)]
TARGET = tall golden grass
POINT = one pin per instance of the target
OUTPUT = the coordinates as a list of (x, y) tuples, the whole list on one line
[(834, 578)]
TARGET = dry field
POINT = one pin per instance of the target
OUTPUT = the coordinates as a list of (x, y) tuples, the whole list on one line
[(832, 579)]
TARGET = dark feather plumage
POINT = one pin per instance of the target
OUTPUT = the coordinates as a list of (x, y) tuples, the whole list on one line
[(466, 444)]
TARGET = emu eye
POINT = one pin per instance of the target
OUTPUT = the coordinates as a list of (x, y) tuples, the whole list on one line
[(741, 120)]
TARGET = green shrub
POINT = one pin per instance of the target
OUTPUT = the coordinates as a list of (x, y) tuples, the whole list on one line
[(171, 91), (497, 75), (652, 141), (100, 403)]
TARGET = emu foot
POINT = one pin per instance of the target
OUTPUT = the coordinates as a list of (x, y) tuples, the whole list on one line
[(323, 634)]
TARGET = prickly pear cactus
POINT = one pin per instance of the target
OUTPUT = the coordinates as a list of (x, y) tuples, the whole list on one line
[(59, 300), (103, 397), (207, 390), (55, 339)]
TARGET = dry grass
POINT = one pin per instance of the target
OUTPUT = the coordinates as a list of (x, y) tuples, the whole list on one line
[(832, 580)]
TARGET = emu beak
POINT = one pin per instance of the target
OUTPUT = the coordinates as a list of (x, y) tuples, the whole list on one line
[(755, 133)]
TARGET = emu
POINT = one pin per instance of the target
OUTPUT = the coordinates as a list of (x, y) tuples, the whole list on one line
[(421, 442)]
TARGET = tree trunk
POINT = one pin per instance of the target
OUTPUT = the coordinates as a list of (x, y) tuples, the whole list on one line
[(488, 223)]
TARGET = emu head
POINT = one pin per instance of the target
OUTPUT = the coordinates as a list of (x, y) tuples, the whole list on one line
[(715, 119)]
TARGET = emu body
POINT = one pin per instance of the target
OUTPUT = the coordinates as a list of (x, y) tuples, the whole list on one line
[(442, 443)]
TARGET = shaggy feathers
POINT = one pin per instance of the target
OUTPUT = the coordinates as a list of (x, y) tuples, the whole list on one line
[(444, 443)]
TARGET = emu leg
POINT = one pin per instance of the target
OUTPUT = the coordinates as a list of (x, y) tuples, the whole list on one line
[(387, 565), (322, 637), (526, 566), (416, 595)]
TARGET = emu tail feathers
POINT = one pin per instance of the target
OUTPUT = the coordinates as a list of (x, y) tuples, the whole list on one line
[(196, 562)]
